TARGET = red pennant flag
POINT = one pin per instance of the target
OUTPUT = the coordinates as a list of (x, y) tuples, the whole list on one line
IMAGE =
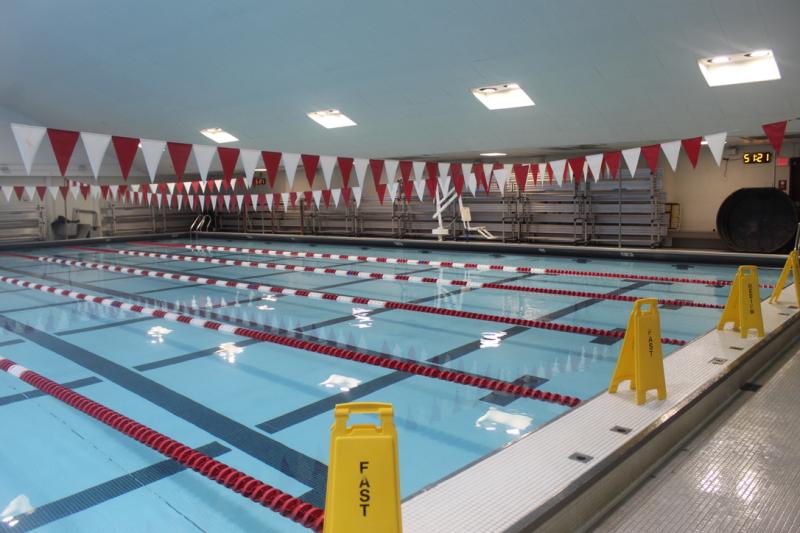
[(271, 162), (458, 177), (480, 177), (276, 200), (309, 197), (63, 143), (576, 164), (41, 190), (650, 154), (123, 190), (179, 154), (64, 191), (380, 188), (179, 187), (228, 158), (207, 201), (310, 163), (376, 165), (535, 173), (326, 197), (241, 184), (104, 189), (226, 184), (346, 192), (612, 160), (692, 149), (125, 148), (19, 190), (293, 199), (84, 189), (432, 183), (405, 170), (408, 189), (432, 169), (775, 133), (345, 167), (246, 202), (520, 175), (195, 187), (549, 171)]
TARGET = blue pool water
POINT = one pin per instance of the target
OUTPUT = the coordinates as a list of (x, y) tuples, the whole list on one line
[(266, 409)]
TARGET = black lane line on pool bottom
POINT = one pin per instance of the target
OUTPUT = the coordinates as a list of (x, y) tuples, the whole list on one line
[(36, 393), (294, 464), (98, 494), (327, 404)]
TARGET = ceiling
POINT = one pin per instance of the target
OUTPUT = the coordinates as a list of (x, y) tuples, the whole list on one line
[(609, 73)]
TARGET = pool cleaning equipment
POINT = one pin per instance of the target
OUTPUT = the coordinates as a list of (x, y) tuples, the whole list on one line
[(743, 309), (641, 361)]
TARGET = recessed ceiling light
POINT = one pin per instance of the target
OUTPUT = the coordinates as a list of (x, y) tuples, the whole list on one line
[(218, 135), (260, 169), (705, 142), (331, 118), (504, 96), (493, 154), (748, 67)]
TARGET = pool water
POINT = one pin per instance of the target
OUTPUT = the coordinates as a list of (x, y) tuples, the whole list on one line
[(266, 409)]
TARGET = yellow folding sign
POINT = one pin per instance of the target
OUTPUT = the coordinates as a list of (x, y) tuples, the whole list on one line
[(743, 308)]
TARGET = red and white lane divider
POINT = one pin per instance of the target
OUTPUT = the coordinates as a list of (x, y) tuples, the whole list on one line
[(540, 324), (266, 495), (401, 365), (448, 264), (416, 279)]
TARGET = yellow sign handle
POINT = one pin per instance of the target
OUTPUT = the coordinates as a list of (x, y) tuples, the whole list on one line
[(342, 412)]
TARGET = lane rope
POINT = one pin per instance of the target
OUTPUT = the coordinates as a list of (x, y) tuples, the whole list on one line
[(448, 264), (386, 304), (471, 284), (398, 364), (262, 493)]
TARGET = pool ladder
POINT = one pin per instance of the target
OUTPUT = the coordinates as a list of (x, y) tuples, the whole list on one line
[(201, 223)]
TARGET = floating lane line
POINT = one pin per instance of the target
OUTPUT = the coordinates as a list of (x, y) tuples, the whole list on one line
[(448, 264), (529, 323), (262, 493), (398, 364)]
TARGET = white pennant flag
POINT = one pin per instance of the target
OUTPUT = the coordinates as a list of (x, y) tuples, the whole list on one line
[(501, 176), (203, 155), (239, 201), (595, 163), (95, 145), (444, 183), (419, 169), (472, 183), (218, 185), (180, 202), (487, 173), (443, 169), (249, 160), (30, 191), (214, 201), (672, 150), (631, 157), (558, 170), (357, 195), (94, 191), (360, 165), (7, 190), (285, 199), (391, 169), (391, 188), (28, 140), (419, 186), (290, 166), (171, 187), (54, 191), (317, 194), (336, 194), (254, 201), (113, 191), (716, 142), (152, 151), (327, 162), (269, 198), (203, 186), (466, 169)]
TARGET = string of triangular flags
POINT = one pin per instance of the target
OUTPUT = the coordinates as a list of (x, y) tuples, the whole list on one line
[(415, 176)]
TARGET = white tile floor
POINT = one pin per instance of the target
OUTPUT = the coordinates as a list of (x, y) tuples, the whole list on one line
[(741, 473)]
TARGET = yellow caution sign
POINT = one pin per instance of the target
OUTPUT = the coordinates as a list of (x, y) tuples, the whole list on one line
[(743, 308), (640, 360), (363, 493), (792, 267)]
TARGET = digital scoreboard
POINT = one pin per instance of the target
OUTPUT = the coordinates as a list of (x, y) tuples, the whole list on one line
[(757, 158)]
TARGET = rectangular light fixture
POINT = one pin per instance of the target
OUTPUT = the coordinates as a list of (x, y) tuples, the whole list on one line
[(733, 69), (493, 154), (503, 96), (331, 118), (218, 135)]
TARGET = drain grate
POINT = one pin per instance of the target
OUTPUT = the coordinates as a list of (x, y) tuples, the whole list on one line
[(736, 348), (750, 387), (621, 430), (581, 457), (718, 361)]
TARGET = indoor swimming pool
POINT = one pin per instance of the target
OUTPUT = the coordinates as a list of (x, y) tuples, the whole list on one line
[(265, 406)]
